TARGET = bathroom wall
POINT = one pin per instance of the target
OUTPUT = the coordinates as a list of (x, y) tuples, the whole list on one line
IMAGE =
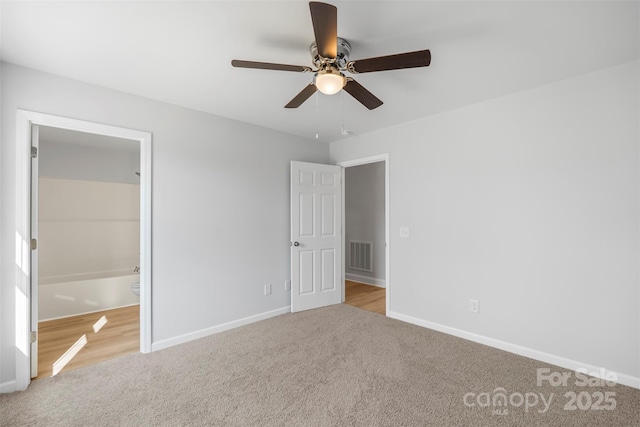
[(88, 229), (364, 218), (84, 156)]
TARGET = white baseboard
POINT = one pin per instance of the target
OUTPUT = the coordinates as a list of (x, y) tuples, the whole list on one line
[(373, 281), (563, 362), (8, 387), (181, 339)]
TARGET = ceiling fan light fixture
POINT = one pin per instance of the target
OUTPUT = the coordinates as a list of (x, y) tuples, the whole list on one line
[(330, 81), (330, 54)]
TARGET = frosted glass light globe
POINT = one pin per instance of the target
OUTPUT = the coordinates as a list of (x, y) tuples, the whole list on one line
[(329, 82)]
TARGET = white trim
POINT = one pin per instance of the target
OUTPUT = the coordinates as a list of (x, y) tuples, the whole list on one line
[(24, 120), (35, 273), (363, 161), (23, 235), (373, 281), (8, 387), (541, 356), (181, 339)]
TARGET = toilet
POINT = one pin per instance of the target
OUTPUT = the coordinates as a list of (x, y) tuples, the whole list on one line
[(135, 288)]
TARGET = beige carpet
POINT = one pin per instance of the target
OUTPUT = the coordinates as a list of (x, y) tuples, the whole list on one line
[(336, 366)]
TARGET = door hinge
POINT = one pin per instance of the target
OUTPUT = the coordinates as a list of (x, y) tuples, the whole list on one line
[(34, 336), (34, 152), (34, 244)]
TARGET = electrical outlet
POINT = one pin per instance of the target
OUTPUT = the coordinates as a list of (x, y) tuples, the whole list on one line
[(404, 231), (267, 289), (287, 285), (474, 306)]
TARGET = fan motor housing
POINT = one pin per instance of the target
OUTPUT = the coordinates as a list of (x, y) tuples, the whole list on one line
[(344, 50)]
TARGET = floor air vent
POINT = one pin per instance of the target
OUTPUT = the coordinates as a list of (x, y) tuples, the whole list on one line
[(360, 256)]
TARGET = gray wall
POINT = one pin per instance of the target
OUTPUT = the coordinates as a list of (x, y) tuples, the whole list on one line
[(88, 162), (364, 217), (220, 204), (528, 203)]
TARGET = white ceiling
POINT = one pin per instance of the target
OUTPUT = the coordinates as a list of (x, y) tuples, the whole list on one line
[(180, 52)]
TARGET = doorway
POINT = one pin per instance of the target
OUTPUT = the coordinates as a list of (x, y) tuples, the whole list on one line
[(366, 233), (26, 299), (86, 218)]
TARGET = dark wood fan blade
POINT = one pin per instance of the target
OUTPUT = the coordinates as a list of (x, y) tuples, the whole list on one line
[(365, 97), (270, 66), (302, 96), (420, 58), (325, 27)]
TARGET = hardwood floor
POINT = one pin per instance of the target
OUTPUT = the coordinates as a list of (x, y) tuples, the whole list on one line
[(59, 339), (366, 297)]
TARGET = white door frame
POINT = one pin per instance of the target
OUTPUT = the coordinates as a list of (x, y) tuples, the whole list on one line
[(35, 225), (363, 161), (25, 119)]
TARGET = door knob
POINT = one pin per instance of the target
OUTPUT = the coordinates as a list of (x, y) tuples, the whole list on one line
[(296, 244)]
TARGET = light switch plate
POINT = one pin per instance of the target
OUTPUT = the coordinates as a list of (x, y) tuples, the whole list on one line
[(474, 306), (404, 231)]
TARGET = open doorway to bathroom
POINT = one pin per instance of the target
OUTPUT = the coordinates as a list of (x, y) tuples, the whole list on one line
[(365, 234), (88, 263)]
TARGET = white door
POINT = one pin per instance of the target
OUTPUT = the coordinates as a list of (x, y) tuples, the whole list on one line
[(35, 136), (316, 236)]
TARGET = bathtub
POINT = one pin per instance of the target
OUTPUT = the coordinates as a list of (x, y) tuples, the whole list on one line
[(57, 299)]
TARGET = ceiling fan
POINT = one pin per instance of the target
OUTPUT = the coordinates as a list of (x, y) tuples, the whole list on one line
[(330, 54)]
